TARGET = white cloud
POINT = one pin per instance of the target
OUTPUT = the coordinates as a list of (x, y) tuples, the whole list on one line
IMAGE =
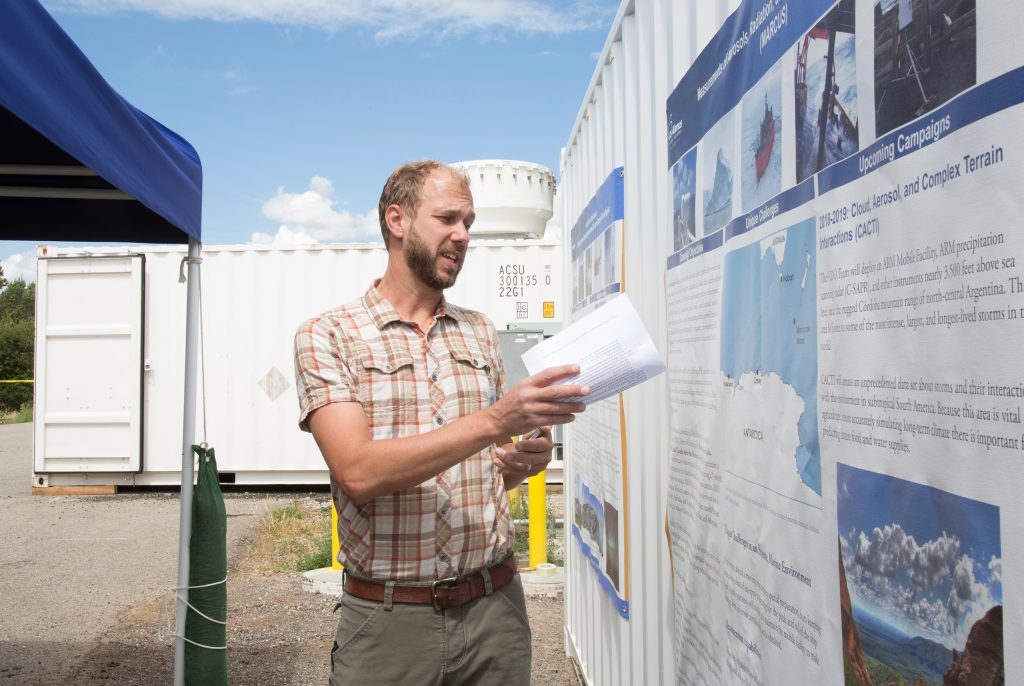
[(995, 570), (929, 589), (283, 237), (963, 586), (311, 217), (934, 560), (390, 19), (20, 265), (239, 81), (887, 552)]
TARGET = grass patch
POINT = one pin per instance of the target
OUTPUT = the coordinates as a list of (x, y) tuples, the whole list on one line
[(295, 537), (519, 508), (20, 417)]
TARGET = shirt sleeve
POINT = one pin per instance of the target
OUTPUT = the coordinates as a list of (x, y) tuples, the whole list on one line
[(498, 361), (321, 375)]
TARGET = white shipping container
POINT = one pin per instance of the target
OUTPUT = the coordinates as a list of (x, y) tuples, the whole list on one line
[(110, 350), (622, 122)]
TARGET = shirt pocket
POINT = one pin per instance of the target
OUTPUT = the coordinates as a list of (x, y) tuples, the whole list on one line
[(474, 378), (388, 391)]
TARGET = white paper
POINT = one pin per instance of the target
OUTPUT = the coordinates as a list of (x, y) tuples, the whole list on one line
[(611, 346)]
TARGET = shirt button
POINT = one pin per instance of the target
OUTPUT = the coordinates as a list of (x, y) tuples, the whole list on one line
[(433, 377), (443, 511), (442, 556), (439, 420)]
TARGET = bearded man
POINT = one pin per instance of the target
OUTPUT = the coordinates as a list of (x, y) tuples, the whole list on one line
[(404, 395)]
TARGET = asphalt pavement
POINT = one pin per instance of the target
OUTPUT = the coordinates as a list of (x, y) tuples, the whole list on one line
[(70, 565)]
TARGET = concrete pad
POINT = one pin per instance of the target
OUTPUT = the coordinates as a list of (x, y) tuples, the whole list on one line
[(326, 581), (546, 581)]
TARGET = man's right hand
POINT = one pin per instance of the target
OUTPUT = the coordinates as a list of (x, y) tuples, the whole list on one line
[(539, 400)]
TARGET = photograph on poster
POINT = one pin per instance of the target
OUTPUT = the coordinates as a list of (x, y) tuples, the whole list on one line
[(611, 543), (611, 255), (588, 272), (925, 53), (598, 266), (920, 583), (590, 518), (718, 151), (684, 212), (762, 137), (578, 285), (826, 92)]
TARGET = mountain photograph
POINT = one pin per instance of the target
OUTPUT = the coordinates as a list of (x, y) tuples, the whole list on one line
[(920, 572)]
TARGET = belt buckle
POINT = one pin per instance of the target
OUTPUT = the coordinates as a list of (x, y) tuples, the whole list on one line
[(450, 582)]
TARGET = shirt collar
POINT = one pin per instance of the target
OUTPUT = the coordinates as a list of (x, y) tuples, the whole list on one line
[(382, 313)]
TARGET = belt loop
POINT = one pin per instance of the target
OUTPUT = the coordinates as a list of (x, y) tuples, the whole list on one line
[(486, 574), (389, 594)]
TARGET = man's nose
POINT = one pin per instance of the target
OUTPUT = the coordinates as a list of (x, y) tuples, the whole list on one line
[(460, 232)]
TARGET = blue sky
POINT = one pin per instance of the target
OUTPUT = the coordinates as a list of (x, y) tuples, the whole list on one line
[(299, 109)]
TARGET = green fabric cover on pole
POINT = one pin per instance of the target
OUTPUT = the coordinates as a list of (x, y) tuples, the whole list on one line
[(208, 564)]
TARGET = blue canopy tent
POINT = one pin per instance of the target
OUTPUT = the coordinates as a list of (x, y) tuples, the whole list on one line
[(79, 163)]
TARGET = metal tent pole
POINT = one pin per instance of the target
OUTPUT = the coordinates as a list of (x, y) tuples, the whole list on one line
[(187, 470)]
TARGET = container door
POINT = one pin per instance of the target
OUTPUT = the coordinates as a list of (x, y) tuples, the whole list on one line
[(89, 342)]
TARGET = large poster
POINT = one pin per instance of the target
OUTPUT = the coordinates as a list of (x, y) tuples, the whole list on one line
[(599, 453), (843, 303)]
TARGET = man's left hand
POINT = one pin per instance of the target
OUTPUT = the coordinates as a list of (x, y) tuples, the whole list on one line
[(528, 457)]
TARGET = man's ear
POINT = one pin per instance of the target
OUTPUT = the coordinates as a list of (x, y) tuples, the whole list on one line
[(396, 220)]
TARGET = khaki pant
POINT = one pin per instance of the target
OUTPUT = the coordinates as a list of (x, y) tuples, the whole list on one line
[(486, 641)]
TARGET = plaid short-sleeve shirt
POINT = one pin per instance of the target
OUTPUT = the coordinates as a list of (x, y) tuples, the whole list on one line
[(408, 384)]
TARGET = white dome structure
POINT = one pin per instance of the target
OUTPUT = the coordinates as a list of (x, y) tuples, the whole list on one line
[(512, 199)]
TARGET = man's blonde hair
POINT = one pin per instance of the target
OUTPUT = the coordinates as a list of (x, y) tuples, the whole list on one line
[(405, 188)]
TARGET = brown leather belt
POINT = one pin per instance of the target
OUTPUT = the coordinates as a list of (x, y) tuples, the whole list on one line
[(443, 593)]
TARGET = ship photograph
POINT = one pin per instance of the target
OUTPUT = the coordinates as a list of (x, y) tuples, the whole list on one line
[(761, 168), (826, 92), (718, 152), (925, 53)]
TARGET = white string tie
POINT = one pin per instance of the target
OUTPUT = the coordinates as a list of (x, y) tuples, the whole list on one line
[(187, 260), (164, 618)]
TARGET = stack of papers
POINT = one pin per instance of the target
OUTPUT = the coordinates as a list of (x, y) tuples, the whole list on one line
[(611, 346)]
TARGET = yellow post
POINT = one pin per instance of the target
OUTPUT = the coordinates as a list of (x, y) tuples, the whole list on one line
[(537, 487), (335, 545)]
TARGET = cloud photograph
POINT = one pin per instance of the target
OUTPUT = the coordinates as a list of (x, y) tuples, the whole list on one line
[(921, 578)]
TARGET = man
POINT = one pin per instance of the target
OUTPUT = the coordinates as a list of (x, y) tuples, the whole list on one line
[(404, 394)]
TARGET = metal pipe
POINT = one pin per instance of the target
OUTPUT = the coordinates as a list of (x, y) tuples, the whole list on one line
[(537, 496), (188, 433)]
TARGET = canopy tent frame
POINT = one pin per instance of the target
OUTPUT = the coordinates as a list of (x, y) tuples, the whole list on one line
[(79, 163)]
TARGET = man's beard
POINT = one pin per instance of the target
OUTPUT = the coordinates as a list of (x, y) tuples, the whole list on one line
[(424, 265)]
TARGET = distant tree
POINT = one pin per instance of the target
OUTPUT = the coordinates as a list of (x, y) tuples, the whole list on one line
[(3, 281), (16, 350), (17, 300), (17, 341)]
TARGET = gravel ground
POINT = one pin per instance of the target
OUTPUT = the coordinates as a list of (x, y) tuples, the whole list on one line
[(279, 634), (82, 579)]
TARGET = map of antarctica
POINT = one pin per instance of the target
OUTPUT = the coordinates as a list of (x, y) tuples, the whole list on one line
[(769, 359)]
